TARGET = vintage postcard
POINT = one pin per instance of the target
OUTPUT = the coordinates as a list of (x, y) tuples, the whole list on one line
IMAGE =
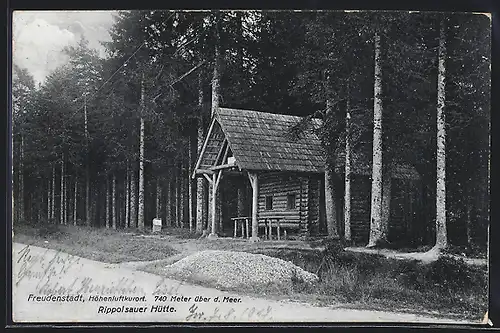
[(250, 166)]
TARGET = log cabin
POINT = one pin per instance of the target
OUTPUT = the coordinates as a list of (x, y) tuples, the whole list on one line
[(285, 174)]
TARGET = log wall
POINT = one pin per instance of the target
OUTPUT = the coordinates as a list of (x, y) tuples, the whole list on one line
[(279, 186)]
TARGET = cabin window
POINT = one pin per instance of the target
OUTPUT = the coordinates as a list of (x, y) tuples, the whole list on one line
[(269, 202), (290, 201)]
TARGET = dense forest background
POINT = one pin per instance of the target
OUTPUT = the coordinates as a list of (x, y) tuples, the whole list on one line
[(112, 142)]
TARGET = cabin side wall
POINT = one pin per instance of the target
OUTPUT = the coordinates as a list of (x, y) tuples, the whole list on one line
[(279, 186)]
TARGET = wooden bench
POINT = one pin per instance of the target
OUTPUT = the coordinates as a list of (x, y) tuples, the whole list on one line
[(279, 223)]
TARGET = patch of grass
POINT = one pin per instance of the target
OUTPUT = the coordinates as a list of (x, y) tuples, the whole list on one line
[(106, 245), (182, 233), (447, 286)]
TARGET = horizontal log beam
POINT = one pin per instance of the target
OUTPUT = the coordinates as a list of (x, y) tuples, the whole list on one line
[(204, 171), (223, 166)]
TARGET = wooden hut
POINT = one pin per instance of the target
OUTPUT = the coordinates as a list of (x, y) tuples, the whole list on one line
[(287, 176), (285, 173)]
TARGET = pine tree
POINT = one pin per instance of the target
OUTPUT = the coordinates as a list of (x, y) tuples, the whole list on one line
[(441, 232)]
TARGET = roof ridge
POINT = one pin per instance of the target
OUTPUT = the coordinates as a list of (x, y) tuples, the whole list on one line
[(255, 111)]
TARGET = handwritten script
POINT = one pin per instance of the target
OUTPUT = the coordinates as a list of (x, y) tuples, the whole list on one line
[(60, 273), (231, 314)]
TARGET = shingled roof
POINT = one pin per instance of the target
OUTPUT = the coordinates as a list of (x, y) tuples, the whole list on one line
[(260, 141)]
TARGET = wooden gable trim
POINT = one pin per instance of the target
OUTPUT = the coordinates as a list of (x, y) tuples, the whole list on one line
[(224, 145), (200, 156), (226, 152)]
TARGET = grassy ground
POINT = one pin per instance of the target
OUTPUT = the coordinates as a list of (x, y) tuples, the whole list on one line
[(97, 244), (448, 287)]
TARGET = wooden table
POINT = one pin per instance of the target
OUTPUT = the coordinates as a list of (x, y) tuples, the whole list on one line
[(244, 222)]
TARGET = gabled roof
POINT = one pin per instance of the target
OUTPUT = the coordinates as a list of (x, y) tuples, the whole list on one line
[(260, 141)]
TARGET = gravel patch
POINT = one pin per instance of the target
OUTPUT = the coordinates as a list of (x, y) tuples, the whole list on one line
[(230, 269)]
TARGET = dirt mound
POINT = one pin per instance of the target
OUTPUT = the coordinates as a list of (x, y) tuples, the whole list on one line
[(230, 269)]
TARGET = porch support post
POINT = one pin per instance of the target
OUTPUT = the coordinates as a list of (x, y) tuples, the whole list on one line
[(254, 181), (213, 203)]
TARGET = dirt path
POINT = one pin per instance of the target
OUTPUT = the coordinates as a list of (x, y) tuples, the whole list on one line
[(425, 257), (44, 272), (186, 247)]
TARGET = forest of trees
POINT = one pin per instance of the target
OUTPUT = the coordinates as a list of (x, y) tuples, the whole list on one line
[(112, 142)]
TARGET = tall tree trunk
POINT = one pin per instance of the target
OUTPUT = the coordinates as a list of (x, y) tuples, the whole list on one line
[(39, 203), (211, 204), (121, 204), (113, 204), (87, 194), (219, 200), (176, 200), (386, 201), (217, 68), (108, 194), (161, 200), (182, 190), (53, 202), (190, 183), (127, 198), (61, 194), (469, 221), (377, 233), (75, 202), (65, 201), (201, 191), (239, 45), (87, 164), (441, 232), (215, 103), (168, 204), (330, 193), (93, 210), (49, 182), (347, 170), (133, 198), (140, 217), (158, 197)]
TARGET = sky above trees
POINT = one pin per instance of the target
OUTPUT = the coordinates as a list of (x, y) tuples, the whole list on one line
[(40, 36)]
